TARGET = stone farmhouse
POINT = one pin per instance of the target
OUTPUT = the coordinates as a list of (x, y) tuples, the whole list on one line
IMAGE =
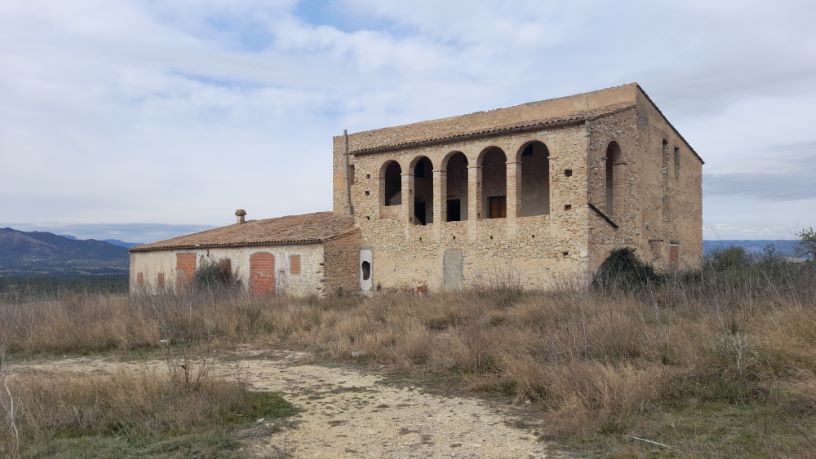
[(536, 195)]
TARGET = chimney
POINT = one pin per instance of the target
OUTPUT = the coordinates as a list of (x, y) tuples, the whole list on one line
[(240, 215)]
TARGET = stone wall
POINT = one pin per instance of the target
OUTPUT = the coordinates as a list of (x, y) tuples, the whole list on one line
[(652, 208), (674, 216), (162, 265), (342, 271), (536, 251)]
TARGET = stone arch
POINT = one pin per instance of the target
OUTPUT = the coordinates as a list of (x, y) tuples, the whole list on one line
[(391, 180), (422, 205), (493, 185), (534, 186), (455, 165), (614, 178)]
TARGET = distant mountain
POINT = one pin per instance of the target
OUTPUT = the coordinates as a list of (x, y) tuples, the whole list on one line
[(124, 244), (784, 247), (37, 252)]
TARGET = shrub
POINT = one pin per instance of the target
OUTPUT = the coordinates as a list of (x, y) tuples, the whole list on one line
[(623, 270), (215, 276)]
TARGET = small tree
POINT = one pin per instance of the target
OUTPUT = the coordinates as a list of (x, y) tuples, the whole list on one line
[(807, 243), (623, 270)]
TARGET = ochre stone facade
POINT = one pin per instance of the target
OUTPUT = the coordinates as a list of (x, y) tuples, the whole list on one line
[(535, 195), (569, 179)]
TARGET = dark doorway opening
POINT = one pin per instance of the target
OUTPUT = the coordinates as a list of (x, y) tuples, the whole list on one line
[(454, 210), (419, 212)]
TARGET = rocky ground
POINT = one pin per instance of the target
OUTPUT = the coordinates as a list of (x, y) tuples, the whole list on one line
[(347, 412)]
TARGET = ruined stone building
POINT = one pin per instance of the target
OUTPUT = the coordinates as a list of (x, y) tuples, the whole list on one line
[(535, 195)]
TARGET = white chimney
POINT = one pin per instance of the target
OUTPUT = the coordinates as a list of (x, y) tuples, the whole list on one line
[(240, 215)]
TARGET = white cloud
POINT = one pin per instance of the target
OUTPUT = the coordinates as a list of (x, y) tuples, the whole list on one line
[(181, 111)]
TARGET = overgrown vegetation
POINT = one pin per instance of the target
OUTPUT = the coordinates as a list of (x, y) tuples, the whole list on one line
[(807, 243), (215, 277), (715, 363), (131, 414)]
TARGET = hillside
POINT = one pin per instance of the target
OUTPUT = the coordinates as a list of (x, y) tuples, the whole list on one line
[(784, 247), (40, 253)]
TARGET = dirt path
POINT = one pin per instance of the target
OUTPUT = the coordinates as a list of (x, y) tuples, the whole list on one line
[(346, 413)]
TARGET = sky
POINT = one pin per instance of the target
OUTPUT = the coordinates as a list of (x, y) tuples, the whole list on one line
[(143, 119)]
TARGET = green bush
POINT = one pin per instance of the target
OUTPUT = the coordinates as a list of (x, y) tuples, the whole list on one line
[(623, 270), (214, 276)]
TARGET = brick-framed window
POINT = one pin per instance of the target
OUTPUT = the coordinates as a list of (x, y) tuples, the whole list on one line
[(294, 264)]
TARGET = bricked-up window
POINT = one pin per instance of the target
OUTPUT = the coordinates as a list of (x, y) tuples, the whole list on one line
[(456, 188), (351, 174), (423, 191), (535, 179), (494, 181), (160, 281), (614, 178), (392, 184), (294, 264), (674, 254), (140, 280), (676, 162)]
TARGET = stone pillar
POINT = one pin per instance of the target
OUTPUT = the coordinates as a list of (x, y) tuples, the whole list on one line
[(440, 198), (407, 207), (475, 205), (474, 200), (513, 190)]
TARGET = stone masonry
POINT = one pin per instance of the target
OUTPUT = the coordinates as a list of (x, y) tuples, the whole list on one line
[(608, 182), (535, 196)]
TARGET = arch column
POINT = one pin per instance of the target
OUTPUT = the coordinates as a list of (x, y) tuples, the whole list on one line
[(475, 204), (440, 196), (406, 208), (513, 190)]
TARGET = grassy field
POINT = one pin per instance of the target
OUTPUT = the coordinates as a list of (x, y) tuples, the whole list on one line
[(718, 363)]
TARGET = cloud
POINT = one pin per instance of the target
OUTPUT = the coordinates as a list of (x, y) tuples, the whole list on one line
[(178, 112)]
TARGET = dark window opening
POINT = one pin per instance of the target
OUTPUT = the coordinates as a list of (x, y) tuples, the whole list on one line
[(366, 268), (528, 151), (567, 206), (423, 192), (351, 174), (457, 186), (392, 187), (454, 210), (613, 178), (568, 172), (419, 213), (497, 207)]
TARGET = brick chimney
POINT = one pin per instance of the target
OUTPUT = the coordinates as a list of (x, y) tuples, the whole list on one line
[(240, 215)]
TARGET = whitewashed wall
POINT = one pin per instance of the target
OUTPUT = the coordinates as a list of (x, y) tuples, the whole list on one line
[(308, 282)]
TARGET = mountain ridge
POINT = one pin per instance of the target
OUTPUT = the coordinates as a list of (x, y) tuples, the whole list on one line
[(38, 252)]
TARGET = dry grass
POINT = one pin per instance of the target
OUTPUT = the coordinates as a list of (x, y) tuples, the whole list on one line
[(129, 413), (718, 363)]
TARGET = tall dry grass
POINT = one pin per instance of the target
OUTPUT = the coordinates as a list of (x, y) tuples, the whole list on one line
[(129, 413), (590, 360)]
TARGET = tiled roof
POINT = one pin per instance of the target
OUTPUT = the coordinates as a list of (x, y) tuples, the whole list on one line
[(291, 229), (500, 130)]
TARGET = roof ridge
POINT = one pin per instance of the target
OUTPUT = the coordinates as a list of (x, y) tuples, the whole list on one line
[(499, 130), (288, 229)]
